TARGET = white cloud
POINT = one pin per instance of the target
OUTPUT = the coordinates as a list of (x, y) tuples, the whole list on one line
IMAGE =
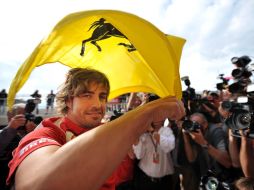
[(215, 30)]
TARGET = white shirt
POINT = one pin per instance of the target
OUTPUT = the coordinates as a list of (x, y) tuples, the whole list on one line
[(145, 149)]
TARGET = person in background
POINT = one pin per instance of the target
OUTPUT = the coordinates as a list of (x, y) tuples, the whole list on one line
[(133, 101), (10, 136), (72, 151), (50, 101), (155, 167), (242, 155), (209, 150), (37, 100), (3, 97)]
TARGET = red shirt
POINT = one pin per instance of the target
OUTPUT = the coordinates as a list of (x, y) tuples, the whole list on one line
[(125, 170), (52, 131)]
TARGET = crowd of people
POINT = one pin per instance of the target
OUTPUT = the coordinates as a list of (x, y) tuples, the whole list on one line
[(155, 144), (35, 96)]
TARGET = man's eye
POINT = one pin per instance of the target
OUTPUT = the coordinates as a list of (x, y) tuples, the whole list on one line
[(104, 98), (85, 95)]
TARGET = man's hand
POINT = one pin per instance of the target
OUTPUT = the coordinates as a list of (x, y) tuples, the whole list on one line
[(198, 137), (30, 126), (163, 108), (17, 121)]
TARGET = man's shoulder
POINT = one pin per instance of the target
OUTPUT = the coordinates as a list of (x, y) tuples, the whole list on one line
[(216, 133), (214, 127), (47, 129)]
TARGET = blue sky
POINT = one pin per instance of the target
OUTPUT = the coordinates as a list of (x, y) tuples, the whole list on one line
[(215, 30)]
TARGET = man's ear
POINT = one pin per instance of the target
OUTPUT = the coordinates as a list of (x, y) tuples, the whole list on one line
[(69, 102)]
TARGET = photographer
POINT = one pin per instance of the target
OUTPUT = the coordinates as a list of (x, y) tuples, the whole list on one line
[(37, 100), (210, 149), (17, 127), (242, 156)]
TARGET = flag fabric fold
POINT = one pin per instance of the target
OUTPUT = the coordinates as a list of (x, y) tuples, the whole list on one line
[(134, 54)]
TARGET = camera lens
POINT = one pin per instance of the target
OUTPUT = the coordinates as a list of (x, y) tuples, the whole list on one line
[(240, 119), (212, 183), (226, 105), (190, 126), (243, 119), (237, 73)]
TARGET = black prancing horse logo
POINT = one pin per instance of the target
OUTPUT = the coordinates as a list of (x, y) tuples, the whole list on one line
[(103, 31)]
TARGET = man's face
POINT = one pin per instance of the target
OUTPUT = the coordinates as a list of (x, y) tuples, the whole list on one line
[(200, 121), (88, 109)]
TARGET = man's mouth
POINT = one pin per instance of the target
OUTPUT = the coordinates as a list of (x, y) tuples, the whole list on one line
[(95, 114)]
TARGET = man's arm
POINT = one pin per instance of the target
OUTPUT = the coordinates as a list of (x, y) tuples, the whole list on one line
[(219, 155), (10, 131), (247, 156), (87, 161), (233, 150), (190, 151), (6, 136)]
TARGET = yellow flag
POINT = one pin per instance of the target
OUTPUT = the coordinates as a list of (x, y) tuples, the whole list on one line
[(134, 54)]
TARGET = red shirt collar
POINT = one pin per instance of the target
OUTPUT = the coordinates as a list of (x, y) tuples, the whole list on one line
[(68, 125)]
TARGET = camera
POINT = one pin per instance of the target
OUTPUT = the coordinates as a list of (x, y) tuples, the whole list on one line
[(189, 93), (213, 181), (241, 117), (222, 85), (188, 96), (190, 126), (241, 74), (29, 108)]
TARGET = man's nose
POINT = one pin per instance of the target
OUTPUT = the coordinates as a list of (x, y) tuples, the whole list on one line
[(97, 102)]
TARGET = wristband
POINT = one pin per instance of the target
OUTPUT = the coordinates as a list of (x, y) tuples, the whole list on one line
[(205, 146)]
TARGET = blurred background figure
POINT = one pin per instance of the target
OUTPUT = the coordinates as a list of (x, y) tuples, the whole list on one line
[(50, 101), (155, 168), (3, 97), (37, 100), (19, 124)]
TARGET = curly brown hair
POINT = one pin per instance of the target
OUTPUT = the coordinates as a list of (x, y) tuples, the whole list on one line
[(77, 82)]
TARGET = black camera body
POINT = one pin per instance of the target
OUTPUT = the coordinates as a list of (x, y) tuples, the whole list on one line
[(241, 118), (222, 85), (190, 126), (29, 108), (213, 181), (30, 117), (241, 74)]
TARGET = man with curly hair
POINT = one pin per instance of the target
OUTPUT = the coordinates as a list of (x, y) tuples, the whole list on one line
[(71, 152)]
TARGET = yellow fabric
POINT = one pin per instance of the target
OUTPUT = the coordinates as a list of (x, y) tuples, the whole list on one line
[(151, 65)]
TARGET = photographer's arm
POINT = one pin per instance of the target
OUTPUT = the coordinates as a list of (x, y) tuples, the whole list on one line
[(10, 131), (6, 136), (220, 156), (87, 161), (247, 156), (190, 152), (233, 150)]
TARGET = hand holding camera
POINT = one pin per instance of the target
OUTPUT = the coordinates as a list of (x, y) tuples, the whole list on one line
[(17, 121)]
